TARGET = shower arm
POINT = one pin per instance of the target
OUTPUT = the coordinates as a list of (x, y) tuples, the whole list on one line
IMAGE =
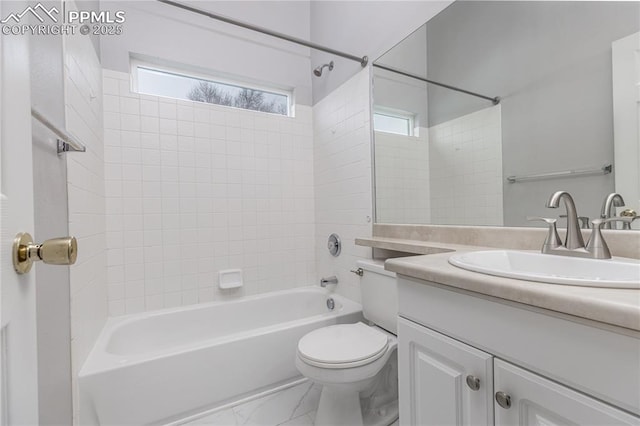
[(364, 60)]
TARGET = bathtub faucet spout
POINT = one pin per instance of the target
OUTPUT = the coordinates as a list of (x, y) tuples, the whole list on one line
[(330, 280)]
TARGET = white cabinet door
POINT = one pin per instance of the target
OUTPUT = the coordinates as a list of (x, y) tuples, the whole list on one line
[(535, 400), (433, 371)]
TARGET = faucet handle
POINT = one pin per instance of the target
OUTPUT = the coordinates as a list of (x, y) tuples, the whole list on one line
[(597, 246), (553, 239), (624, 219), (549, 220)]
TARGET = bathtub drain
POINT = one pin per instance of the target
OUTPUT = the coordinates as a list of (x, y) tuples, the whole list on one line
[(331, 303)]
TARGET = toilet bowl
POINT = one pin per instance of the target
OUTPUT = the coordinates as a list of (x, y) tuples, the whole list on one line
[(349, 361), (356, 364)]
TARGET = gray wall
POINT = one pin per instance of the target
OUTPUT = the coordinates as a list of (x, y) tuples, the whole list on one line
[(51, 221), (358, 27), (170, 34), (361, 28), (395, 91), (551, 64)]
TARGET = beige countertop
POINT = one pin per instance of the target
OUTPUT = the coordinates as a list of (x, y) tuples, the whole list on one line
[(619, 307), (409, 246)]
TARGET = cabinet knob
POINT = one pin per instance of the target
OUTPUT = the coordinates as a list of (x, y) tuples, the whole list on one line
[(503, 400), (473, 382)]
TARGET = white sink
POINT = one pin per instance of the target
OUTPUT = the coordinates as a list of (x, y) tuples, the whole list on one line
[(547, 268)]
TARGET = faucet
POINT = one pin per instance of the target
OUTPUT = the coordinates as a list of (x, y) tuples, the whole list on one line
[(574, 245), (573, 240), (329, 280), (613, 200)]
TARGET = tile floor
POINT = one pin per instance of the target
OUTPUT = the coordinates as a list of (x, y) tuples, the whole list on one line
[(294, 406)]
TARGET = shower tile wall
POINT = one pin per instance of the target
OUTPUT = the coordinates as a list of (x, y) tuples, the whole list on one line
[(193, 189), (86, 198), (466, 169), (342, 161), (402, 178)]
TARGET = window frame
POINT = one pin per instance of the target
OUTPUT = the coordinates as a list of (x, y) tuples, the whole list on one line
[(395, 113), (136, 63)]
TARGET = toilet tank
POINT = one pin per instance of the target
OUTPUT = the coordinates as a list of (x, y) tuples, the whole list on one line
[(379, 294)]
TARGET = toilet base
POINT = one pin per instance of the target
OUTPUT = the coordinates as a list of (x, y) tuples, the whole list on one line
[(371, 402), (338, 406)]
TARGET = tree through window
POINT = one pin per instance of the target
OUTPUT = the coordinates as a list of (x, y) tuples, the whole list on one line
[(164, 83)]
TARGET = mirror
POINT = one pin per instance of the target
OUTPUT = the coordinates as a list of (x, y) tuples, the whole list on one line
[(567, 81)]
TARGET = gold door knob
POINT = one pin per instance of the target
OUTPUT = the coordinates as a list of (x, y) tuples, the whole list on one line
[(57, 251)]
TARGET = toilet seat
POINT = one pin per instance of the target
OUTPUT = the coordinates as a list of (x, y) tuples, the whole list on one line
[(343, 346)]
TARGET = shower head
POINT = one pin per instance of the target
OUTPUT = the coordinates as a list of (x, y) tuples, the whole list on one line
[(318, 71)]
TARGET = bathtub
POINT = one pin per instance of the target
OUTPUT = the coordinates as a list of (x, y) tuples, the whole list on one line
[(156, 367)]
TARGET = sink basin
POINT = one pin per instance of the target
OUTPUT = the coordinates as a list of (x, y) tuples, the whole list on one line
[(547, 268)]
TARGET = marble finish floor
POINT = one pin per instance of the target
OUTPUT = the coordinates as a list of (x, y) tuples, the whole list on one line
[(294, 406)]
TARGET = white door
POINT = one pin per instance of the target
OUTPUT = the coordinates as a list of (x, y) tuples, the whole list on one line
[(18, 364), (536, 401), (442, 381), (626, 119)]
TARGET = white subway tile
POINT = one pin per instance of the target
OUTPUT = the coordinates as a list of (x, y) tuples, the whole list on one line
[(149, 108)]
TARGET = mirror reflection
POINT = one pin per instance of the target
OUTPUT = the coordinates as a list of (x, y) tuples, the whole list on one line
[(567, 118)]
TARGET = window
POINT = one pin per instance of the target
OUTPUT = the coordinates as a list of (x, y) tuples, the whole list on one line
[(400, 123), (152, 80)]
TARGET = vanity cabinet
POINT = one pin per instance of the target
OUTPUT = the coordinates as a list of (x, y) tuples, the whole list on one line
[(446, 382), (442, 381), (537, 401), (533, 367)]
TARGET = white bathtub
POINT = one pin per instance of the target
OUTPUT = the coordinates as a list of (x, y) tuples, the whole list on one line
[(155, 367)]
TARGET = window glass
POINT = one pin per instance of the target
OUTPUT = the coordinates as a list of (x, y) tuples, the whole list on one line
[(383, 122), (173, 85)]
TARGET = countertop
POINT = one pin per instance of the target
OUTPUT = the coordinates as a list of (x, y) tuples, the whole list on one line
[(619, 307)]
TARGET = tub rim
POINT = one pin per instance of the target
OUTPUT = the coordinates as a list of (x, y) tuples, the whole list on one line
[(100, 360)]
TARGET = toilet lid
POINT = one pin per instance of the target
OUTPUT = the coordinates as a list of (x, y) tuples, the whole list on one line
[(342, 344)]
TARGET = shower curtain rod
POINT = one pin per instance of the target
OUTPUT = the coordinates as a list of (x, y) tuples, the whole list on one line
[(494, 100), (362, 60)]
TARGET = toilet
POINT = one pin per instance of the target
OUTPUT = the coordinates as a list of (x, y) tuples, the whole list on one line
[(356, 364)]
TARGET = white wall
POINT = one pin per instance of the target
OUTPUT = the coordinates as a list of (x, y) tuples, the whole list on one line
[(361, 28), (166, 33), (193, 189), (85, 179), (465, 167), (402, 178), (342, 179)]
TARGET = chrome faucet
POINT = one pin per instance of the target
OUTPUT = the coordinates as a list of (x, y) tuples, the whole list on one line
[(574, 245), (573, 240), (613, 200), (330, 280)]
